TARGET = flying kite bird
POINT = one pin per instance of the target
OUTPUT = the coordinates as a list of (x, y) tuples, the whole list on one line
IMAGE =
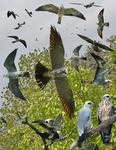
[(17, 39), (87, 5), (11, 13), (100, 71), (13, 75), (84, 121), (19, 25), (61, 11), (43, 74), (28, 12), (105, 111), (93, 42), (101, 23)]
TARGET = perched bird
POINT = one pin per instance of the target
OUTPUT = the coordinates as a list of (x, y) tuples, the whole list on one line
[(61, 11), (28, 12), (11, 13), (87, 5), (100, 71), (98, 44), (101, 23), (18, 40), (19, 25), (13, 75), (43, 74), (105, 111), (84, 121)]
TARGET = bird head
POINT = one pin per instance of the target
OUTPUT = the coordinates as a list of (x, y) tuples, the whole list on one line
[(108, 81), (106, 97), (88, 104)]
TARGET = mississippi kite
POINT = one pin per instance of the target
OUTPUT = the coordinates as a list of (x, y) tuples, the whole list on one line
[(87, 5), (11, 13)]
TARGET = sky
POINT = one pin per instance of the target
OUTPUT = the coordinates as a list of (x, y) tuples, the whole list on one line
[(68, 28)]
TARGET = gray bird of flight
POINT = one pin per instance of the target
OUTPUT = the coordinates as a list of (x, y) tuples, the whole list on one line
[(11, 13), (100, 71), (105, 111), (101, 23), (28, 12), (61, 11), (19, 25), (58, 72), (87, 5), (17, 39), (13, 75), (93, 42)]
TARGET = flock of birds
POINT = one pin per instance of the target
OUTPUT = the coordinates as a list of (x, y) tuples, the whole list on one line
[(58, 72)]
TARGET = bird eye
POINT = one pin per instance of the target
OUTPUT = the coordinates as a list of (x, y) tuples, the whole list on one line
[(90, 103)]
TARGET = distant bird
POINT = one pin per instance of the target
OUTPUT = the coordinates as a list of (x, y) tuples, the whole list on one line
[(84, 121), (101, 23), (105, 111), (61, 11), (13, 75), (98, 44), (11, 13), (100, 71), (18, 40), (43, 74), (87, 5), (19, 25), (28, 12)]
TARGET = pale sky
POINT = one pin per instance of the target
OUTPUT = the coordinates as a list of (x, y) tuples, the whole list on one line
[(31, 30)]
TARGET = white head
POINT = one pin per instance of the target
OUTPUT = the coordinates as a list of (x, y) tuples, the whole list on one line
[(88, 104), (108, 81), (106, 97)]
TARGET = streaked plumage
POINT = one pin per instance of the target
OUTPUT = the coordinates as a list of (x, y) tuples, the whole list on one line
[(61, 11), (12, 74), (105, 111), (17, 39), (11, 13), (28, 12), (100, 71), (101, 23), (83, 121), (42, 74), (19, 25), (87, 5), (98, 44)]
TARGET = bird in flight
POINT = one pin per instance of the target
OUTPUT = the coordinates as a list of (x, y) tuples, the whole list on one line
[(12, 13), (58, 72), (105, 111), (13, 75), (61, 11), (28, 12), (95, 43), (84, 121), (100, 71), (101, 23), (17, 39), (19, 25), (87, 5)]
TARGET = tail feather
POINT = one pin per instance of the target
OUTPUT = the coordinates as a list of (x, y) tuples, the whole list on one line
[(40, 77), (59, 20), (106, 24), (81, 139), (105, 138)]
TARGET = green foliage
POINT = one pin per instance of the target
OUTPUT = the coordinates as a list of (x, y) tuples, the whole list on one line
[(46, 104)]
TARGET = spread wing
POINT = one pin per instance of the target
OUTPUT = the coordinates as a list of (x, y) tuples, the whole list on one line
[(8, 13), (23, 42), (9, 62), (58, 121), (77, 3), (99, 30), (14, 37), (57, 61), (87, 39), (103, 46), (13, 85), (100, 17), (74, 12), (77, 49), (50, 7)]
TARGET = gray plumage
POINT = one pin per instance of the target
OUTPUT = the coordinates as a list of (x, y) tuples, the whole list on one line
[(87, 5)]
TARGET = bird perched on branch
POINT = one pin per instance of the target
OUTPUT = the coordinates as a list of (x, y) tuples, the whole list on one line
[(13, 75), (58, 72), (101, 23), (17, 39), (84, 121), (87, 5), (12, 13), (19, 25), (61, 11), (105, 111)]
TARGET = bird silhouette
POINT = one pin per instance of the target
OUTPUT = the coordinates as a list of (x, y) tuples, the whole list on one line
[(19, 25), (61, 11), (101, 23), (17, 39), (12, 13), (87, 5), (28, 12)]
